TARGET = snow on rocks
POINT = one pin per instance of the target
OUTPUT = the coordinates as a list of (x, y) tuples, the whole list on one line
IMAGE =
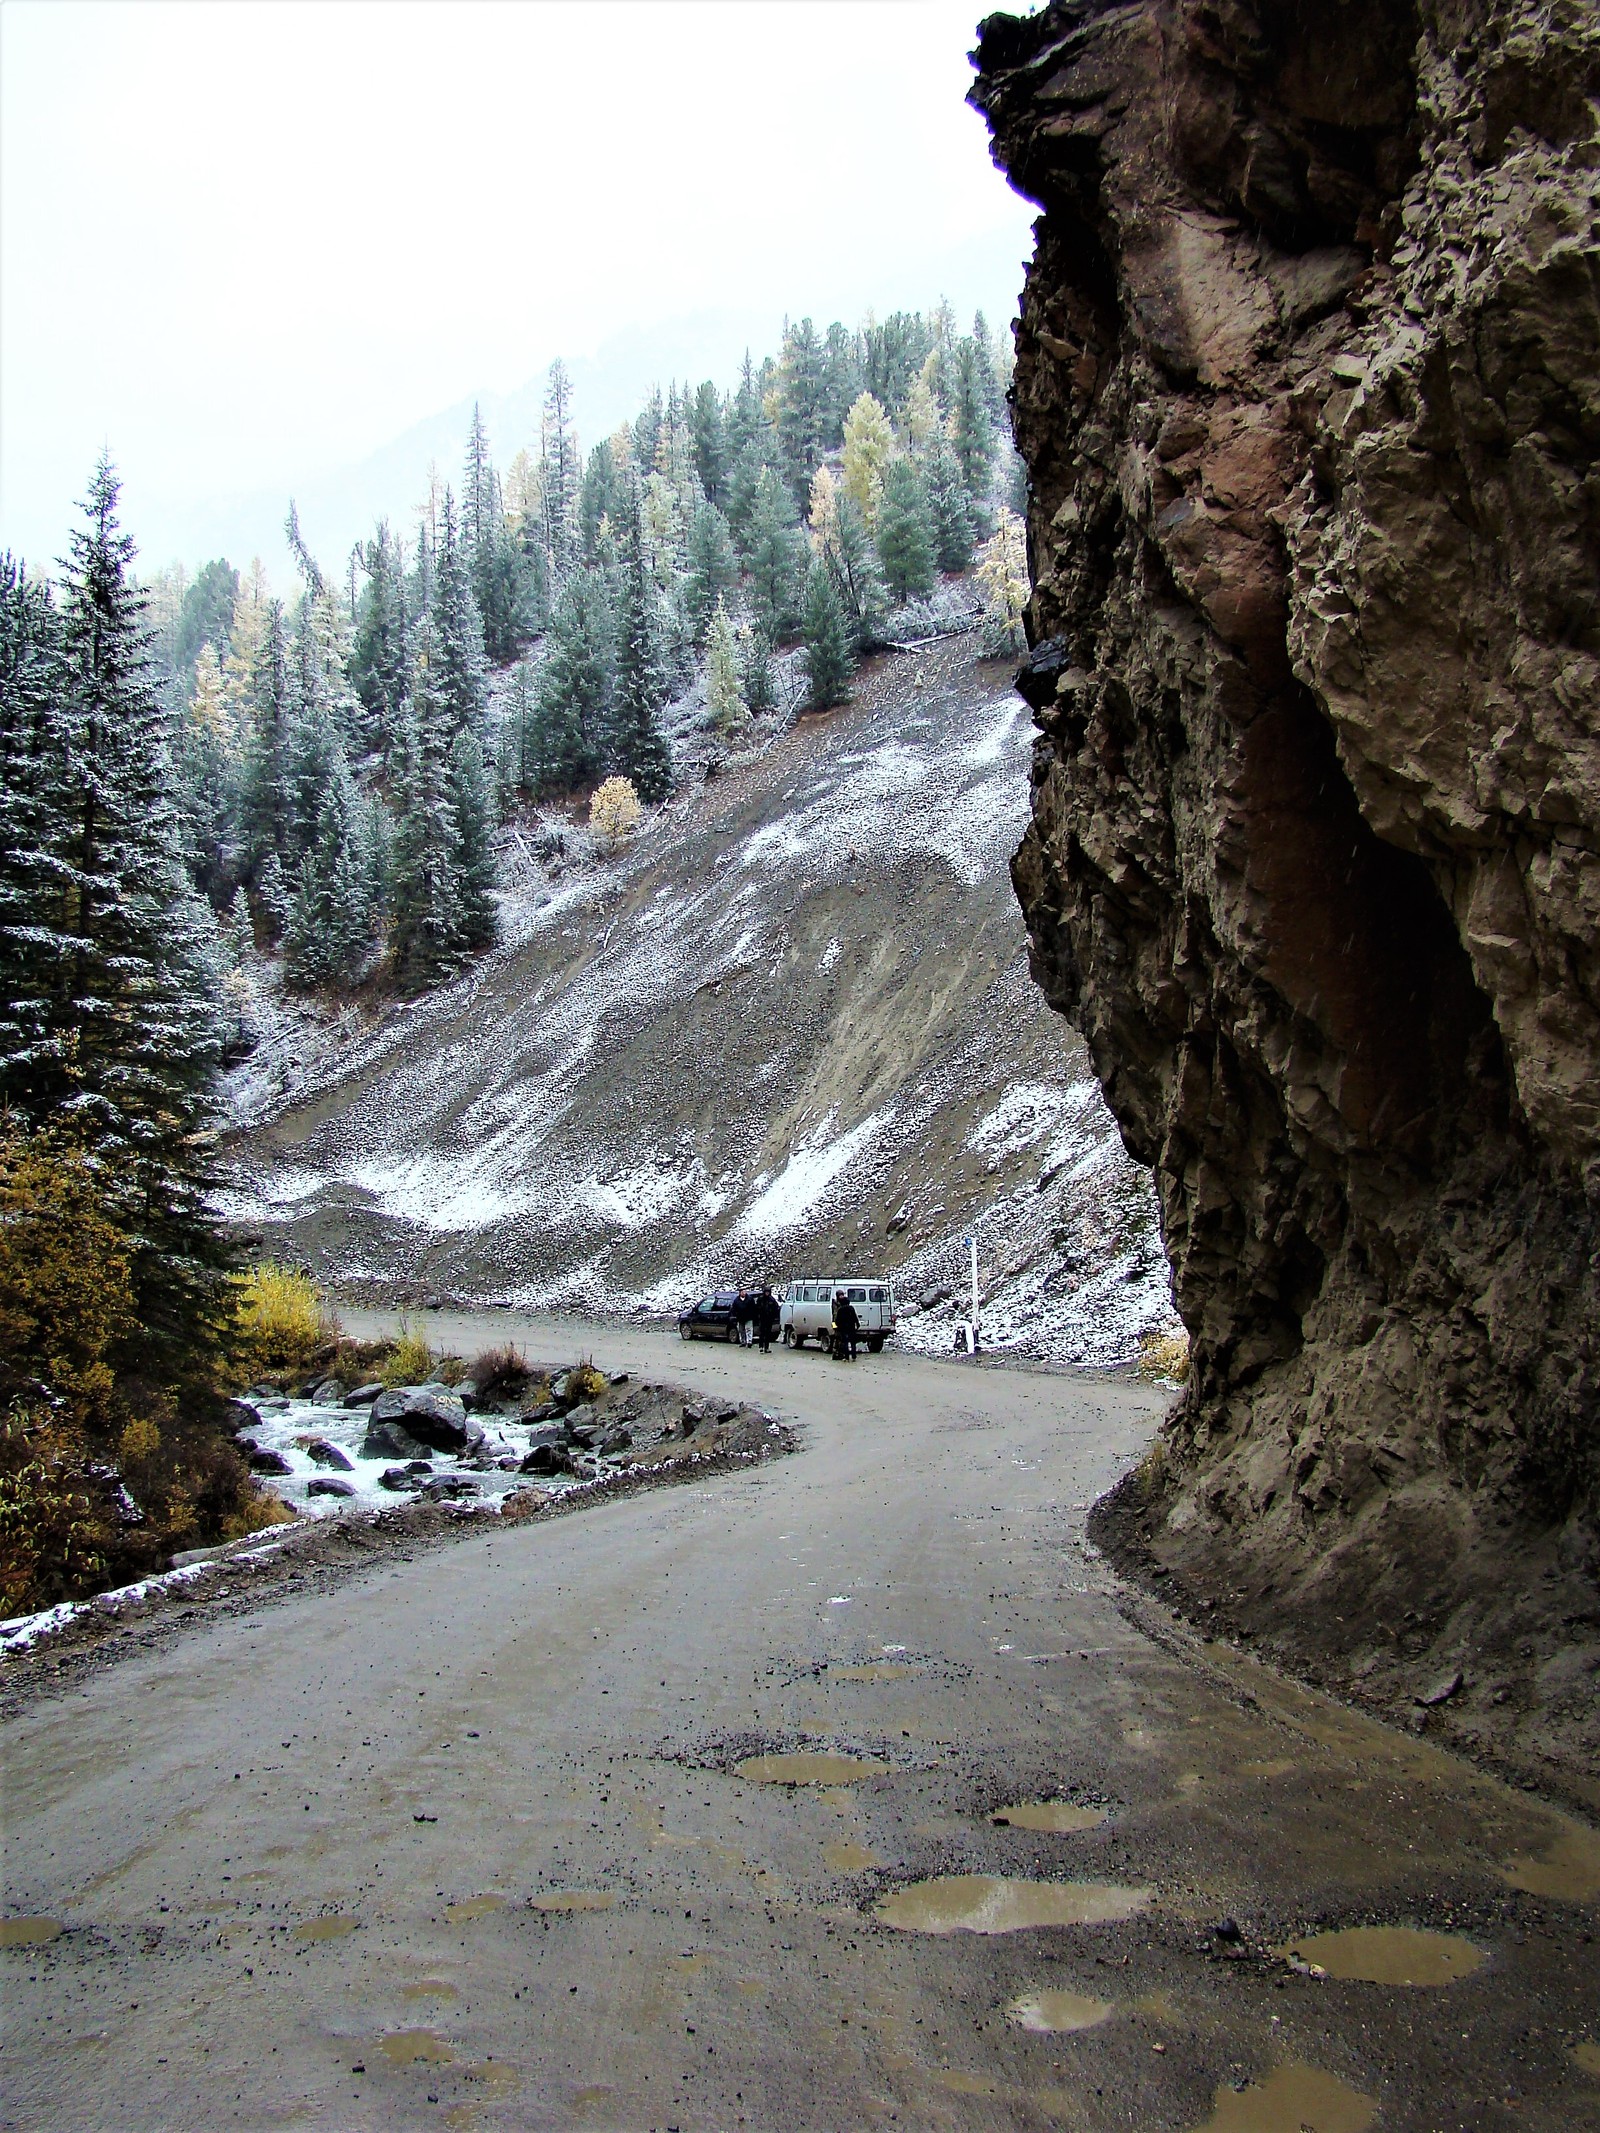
[(789, 1027)]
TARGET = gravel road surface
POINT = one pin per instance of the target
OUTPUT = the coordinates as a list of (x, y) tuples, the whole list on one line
[(851, 1790)]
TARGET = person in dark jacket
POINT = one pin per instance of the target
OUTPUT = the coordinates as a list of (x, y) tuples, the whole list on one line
[(846, 1326), (767, 1317)]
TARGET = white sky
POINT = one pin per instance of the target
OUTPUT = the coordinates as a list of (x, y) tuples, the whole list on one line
[(248, 242)]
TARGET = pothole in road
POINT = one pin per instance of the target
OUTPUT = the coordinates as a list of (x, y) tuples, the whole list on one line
[(845, 1856), (983, 1903), (334, 1926), (1388, 1955), (1569, 1869), (472, 1907), (808, 1769), (430, 1988), (29, 1932), (1058, 1817), (1050, 2014), (1588, 2057), (573, 1900), (1293, 2095), (874, 1670), (415, 2047)]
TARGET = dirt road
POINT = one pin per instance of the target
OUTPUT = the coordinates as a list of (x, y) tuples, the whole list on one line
[(494, 1838)]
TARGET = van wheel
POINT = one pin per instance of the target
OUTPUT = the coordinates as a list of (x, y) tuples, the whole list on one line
[(875, 1343), (791, 1339)]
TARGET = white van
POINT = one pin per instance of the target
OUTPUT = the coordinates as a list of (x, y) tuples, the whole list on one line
[(806, 1310)]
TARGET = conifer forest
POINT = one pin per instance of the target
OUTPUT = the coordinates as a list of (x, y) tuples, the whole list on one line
[(208, 788)]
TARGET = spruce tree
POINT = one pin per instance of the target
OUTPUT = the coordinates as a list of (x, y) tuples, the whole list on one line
[(802, 405), (472, 811), (724, 696), (952, 509), (635, 745), (858, 581), (135, 1014), (263, 774), (559, 474), (35, 937), (424, 876), (709, 431), (775, 556), (380, 657), (575, 682), (457, 667), (828, 655), (905, 532), (757, 681), (713, 568), (971, 424), (598, 500)]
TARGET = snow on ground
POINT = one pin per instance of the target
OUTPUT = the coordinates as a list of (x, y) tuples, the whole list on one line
[(640, 1092)]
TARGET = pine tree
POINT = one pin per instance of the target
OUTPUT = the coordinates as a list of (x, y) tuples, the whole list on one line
[(206, 616), (905, 532), (829, 661), (1003, 574), (598, 501), (713, 568), (891, 355), (724, 697), (775, 558), (635, 746), (330, 922), (205, 781), (842, 364)]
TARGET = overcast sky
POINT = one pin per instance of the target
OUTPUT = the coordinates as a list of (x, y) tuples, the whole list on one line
[(246, 243)]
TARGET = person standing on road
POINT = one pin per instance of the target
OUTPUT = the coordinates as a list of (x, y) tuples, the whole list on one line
[(846, 1325), (767, 1316), (747, 1317)]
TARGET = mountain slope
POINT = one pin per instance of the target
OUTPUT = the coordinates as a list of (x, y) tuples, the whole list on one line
[(791, 1027)]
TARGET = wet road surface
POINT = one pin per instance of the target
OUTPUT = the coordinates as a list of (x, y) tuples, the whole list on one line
[(835, 1794)]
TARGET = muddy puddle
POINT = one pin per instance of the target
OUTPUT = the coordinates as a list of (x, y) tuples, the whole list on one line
[(572, 1900), (845, 1856), (29, 1932), (415, 2047), (334, 1926), (1388, 1955), (472, 1907), (1568, 1869), (1056, 2014), (1057, 1817), (1293, 2096), (983, 1903), (430, 1988), (1588, 2057), (805, 1769)]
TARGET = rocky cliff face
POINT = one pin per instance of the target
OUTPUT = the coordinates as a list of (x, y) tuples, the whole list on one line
[(1309, 391)]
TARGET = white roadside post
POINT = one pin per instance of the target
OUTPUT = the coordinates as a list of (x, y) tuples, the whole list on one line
[(972, 1247)]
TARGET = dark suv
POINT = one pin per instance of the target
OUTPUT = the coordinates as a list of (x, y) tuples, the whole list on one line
[(711, 1319)]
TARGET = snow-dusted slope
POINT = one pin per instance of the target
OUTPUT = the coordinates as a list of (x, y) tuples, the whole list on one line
[(791, 1029)]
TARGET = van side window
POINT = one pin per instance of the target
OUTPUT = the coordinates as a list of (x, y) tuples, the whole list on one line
[(878, 1296), (858, 1296)]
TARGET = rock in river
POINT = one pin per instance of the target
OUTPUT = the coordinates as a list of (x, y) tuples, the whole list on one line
[(326, 1454), (425, 1415), (325, 1485)]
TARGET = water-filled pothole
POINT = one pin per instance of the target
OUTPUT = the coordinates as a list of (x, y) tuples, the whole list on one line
[(1293, 2095), (1388, 1955), (573, 1900), (413, 2047), (430, 1988), (808, 1769), (472, 1907), (846, 1856), (29, 1932), (983, 1903), (1050, 2014), (1058, 1817), (333, 1925), (1569, 1869)]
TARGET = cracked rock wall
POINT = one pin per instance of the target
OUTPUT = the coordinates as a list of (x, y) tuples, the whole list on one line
[(1308, 384)]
